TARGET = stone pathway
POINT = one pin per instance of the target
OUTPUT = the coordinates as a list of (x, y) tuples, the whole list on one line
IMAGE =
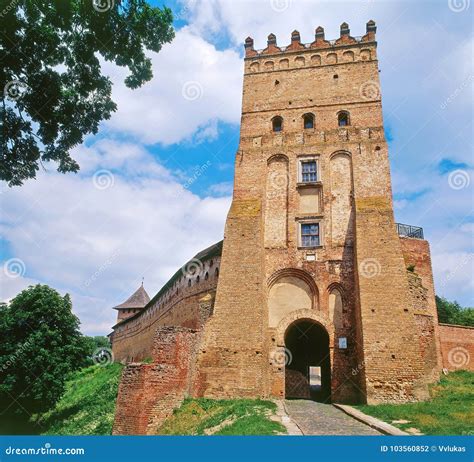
[(324, 419)]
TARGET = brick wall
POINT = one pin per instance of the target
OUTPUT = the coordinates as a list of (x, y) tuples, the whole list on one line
[(457, 347), (180, 305), (148, 393)]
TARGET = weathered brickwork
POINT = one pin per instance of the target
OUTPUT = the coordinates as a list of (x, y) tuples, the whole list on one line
[(457, 347), (313, 280)]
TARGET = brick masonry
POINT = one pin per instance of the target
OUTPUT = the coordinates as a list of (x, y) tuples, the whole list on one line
[(370, 290)]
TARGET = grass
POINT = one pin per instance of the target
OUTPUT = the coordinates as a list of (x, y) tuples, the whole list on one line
[(223, 417), (88, 404), (450, 411)]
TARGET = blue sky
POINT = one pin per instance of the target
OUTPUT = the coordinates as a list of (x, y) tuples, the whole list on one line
[(155, 183)]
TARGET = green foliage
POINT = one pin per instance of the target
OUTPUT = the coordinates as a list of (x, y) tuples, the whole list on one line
[(450, 411), (453, 313), (41, 344), (94, 343), (53, 91), (87, 406), (223, 417)]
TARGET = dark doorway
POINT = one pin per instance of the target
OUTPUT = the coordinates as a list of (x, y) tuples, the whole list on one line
[(308, 368)]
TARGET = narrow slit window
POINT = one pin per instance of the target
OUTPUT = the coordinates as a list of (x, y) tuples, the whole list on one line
[(308, 121), (310, 234), (277, 124), (343, 119), (308, 171)]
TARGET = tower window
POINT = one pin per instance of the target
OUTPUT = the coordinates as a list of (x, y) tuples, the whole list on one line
[(277, 124), (343, 119), (308, 171), (310, 235), (308, 121)]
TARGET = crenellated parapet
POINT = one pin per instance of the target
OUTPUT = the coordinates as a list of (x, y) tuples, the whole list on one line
[(319, 52)]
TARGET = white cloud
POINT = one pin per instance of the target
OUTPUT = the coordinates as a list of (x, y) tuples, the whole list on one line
[(98, 243), (194, 86)]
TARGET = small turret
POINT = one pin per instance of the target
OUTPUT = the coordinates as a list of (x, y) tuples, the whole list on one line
[(135, 303)]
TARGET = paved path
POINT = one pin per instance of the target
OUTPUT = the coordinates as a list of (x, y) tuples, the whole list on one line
[(324, 419)]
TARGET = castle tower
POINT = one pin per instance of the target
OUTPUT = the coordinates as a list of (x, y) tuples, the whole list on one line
[(134, 304), (314, 298)]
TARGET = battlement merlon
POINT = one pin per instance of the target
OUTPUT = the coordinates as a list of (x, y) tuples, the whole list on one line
[(319, 43)]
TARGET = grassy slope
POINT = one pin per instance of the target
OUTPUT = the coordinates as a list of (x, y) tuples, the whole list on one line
[(449, 412), (223, 417), (88, 405)]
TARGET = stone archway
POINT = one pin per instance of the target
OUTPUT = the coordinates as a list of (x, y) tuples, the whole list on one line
[(308, 368), (296, 377)]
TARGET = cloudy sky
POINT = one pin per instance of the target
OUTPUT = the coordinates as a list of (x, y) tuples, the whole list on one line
[(155, 183)]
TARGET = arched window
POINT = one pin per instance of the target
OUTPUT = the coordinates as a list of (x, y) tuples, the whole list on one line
[(198, 279), (343, 119), (216, 272), (308, 121), (206, 276), (189, 283), (277, 124)]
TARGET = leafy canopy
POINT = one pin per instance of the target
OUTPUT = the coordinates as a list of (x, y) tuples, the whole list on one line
[(41, 344), (453, 313), (53, 91)]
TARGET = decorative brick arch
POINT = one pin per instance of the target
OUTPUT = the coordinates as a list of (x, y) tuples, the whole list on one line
[(277, 158), (300, 315), (298, 273)]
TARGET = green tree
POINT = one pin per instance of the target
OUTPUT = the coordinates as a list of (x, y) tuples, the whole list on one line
[(53, 91), (453, 313), (95, 343), (41, 344)]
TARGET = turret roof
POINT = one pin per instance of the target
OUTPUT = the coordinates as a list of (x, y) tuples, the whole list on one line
[(137, 300)]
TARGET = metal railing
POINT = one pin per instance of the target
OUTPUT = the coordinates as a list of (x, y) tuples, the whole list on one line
[(414, 232)]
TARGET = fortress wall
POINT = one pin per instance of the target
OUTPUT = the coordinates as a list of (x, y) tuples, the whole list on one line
[(457, 347), (132, 340), (148, 393)]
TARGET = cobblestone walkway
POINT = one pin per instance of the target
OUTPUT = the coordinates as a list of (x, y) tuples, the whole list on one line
[(323, 419)]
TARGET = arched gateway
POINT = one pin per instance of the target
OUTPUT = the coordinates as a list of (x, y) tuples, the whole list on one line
[(308, 364)]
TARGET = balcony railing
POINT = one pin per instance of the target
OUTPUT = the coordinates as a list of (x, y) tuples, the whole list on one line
[(414, 232)]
